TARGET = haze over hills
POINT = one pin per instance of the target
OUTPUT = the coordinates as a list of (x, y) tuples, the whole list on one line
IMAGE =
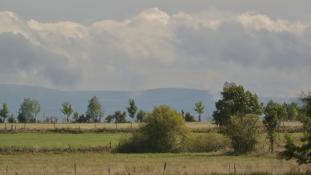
[(51, 99)]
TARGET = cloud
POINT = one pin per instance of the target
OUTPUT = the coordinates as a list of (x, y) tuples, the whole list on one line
[(157, 49)]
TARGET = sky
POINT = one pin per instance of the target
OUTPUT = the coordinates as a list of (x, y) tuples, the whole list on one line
[(137, 44)]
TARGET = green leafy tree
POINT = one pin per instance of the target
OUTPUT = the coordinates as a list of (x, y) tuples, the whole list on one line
[(292, 111), (141, 115), (94, 110), (199, 108), (243, 132), (11, 119), (28, 111), (132, 109), (235, 101), (75, 116), (164, 131), (67, 110), (301, 152), (189, 117), (119, 117), (4, 112), (109, 118), (274, 112)]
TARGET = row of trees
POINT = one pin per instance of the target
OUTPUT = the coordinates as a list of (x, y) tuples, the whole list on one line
[(237, 114), (30, 108)]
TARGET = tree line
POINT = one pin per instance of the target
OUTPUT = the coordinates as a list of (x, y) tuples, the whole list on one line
[(237, 114), (235, 101), (30, 108)]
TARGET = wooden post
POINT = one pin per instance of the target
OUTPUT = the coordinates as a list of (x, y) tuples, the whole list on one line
[(75, 168), (229, 169), (234, 168), (7, 170)]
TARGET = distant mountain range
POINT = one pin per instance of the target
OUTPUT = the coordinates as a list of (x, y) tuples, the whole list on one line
[(51, 99)]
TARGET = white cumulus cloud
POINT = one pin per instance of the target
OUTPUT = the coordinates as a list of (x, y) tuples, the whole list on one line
[(157, 49)]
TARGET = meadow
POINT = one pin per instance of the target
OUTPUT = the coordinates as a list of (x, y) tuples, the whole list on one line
[(51, 140), (58, 142), (143, 164), (46, 153)]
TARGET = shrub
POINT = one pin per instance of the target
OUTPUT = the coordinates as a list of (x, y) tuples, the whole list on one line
[(164, 131), (189, 117), (243, 131), (302, 152), (208, 142), (11, 119)]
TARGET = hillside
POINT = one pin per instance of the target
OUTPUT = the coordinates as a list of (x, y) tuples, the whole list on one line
[(51, 99)]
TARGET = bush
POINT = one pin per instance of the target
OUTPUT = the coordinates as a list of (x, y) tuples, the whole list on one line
[(189, 117), (243, 132), (208, 142), (11, 119), (164, 131)]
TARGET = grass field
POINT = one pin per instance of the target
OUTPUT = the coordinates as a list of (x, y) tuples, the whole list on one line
[(50, 140), (59, 140), (142, 164), (99, 163)]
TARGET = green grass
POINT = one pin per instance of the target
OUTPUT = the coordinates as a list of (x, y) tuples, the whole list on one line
[(61, 140), (142, 164), (49, 140)]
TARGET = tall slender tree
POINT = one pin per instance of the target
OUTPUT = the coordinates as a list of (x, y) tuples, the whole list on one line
[(4, 112), (94, 110), (274, 112), (67, 110), (301, 152), (132, 108), (199, 108)]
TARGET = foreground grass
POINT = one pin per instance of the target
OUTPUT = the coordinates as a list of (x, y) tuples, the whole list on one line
[(142, 164)]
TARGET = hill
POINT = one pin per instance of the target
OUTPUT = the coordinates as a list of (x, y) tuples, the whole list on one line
[(51, 99)]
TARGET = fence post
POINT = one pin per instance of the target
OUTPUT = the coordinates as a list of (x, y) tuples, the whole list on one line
[(234, 168), (229, 169), (75, 168)]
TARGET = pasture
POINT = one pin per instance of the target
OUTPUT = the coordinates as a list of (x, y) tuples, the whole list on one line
[(143, 164), (66, 162), (51, 141)]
